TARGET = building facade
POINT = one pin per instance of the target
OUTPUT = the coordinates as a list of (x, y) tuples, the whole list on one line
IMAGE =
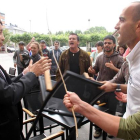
[(14, 29), (2, 18)]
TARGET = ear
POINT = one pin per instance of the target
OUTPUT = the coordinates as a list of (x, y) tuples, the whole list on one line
[(138, 27)]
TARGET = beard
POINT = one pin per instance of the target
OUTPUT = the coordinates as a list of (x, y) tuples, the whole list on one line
[(108, 49)]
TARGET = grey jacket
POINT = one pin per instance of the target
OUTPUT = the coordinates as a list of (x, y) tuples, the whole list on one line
[(106, 73), (16, 57)]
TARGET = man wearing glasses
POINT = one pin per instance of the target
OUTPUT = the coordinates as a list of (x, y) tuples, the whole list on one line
[(107, 65)]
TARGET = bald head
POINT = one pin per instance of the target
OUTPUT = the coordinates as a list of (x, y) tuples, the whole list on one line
[(136, 11)]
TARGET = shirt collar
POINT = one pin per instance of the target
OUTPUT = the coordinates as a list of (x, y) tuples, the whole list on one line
[(134, 52)]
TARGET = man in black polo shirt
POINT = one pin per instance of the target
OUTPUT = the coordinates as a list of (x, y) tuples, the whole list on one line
[(74, 59)]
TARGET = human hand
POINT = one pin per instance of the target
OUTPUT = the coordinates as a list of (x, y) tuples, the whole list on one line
[(72, 100), (121, 96), (91, 70), (39, 67), (15, 65), (110, 65), (33, 39), (107, 86), (91, 78)]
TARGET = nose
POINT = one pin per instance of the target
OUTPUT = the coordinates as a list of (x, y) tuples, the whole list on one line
[(3, 38), (117, 26)]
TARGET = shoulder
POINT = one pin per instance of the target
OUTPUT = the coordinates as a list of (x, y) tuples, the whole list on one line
[(84, 52), (92, 54), (65, 53)]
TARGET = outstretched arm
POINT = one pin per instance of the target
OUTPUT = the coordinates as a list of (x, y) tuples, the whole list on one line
[(114, 125)]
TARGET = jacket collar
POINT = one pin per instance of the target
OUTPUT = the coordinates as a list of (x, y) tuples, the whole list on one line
[(8, 80)]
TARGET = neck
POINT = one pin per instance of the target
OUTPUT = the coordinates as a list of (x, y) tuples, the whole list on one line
[(133, 44), (74, 50), (99, 51)]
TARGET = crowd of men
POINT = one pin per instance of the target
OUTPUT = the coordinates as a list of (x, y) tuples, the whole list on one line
[(120, 78)]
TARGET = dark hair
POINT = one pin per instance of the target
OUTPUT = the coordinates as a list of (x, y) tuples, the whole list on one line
[(124, 47), (75, 34), (43, 41), (99, 43), (111, 37), (21, 43), (1, 22), (56, 42)]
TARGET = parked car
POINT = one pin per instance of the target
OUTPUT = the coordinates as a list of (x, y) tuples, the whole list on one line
[(10, 49), (64, 48)]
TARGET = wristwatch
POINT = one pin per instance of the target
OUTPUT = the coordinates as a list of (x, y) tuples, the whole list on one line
[(118, 88)]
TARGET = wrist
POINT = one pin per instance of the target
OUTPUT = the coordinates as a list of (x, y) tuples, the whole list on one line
[(33, 73), (82, 107), (114, 86)]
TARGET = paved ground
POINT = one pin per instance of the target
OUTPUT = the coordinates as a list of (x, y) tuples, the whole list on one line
[(6, 61)]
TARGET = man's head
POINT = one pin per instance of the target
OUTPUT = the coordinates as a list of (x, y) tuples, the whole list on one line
[(129, 25), (73, 40), (42, 44), (109, 43), (21, 45), (99, 45), (1, 34), (56, 45)]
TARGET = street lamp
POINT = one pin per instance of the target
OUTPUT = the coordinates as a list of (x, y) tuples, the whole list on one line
[(30, 26), (89, 23)]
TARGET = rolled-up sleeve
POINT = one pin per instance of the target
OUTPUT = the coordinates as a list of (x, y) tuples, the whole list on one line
[(129, 129)]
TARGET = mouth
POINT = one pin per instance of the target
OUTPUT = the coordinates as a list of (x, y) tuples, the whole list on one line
[(71, 43)]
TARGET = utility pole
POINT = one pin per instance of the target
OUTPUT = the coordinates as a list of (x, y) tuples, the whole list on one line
[(30, 26)]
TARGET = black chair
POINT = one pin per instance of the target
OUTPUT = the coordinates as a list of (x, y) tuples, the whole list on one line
[(32, 102), (55, 109)]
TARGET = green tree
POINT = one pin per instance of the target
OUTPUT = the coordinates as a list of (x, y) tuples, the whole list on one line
[(7, 35)]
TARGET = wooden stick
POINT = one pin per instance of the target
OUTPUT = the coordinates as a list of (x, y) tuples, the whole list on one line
[(75, 121), (48, 80), (116, 31), (102, 104)]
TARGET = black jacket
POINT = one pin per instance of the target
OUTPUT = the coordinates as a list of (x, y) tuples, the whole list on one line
[(11, 92)]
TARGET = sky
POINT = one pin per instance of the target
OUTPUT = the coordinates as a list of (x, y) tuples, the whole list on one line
[(62, 15)]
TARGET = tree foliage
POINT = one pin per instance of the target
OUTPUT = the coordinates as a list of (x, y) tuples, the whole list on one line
[(7, 35), (91, 35)]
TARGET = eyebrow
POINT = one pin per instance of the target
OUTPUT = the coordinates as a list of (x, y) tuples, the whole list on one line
[(121, 18)]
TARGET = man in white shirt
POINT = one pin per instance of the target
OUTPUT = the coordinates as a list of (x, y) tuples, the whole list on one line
[(129, 33)]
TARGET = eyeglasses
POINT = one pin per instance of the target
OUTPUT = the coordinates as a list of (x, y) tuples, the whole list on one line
[(107, 43)]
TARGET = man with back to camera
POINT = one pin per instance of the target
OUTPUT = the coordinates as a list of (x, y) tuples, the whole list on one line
[(74, 59), (17, 57), (12, 91)]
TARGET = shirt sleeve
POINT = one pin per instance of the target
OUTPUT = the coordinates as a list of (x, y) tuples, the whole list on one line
[(14, 57), (92, 54), (129, 128), (96, 66)]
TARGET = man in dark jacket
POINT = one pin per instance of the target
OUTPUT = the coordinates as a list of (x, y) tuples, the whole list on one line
[(107, 65), (12, 91), (74, 59), (57, 53), (17, 57), (45, 51)]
